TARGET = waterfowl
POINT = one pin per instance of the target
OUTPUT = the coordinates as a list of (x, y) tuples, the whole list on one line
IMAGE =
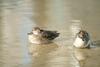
[(82, 40), (40, 36)]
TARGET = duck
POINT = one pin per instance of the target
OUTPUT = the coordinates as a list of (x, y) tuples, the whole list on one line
[(41, 36), (82, 40)]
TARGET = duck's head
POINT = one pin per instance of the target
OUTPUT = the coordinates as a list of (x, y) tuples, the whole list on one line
[(36, 30), (82, 34)]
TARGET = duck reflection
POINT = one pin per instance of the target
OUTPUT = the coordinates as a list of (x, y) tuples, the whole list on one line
[(96, 43), (88, 57), (41, 49), (41, 53), (81, 56)]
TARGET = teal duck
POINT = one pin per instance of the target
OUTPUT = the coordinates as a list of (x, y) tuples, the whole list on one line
[(40, 36), (82, 40)]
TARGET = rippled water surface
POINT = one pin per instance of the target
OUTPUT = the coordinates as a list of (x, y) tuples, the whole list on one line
[(17, 17)]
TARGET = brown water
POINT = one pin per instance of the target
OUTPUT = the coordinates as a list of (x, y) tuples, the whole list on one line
[(17, 17)]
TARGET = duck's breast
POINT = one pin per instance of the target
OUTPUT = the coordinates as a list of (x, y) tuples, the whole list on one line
[(37, 39), (33, 39), (78, 42)]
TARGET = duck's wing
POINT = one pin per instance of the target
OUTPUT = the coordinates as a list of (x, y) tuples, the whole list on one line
[(86, 37), (49, 34)]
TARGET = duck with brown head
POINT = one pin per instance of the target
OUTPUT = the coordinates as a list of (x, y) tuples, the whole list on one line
[(40, 36)]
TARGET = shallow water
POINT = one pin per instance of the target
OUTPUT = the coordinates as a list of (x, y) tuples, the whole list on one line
[(17, 17)]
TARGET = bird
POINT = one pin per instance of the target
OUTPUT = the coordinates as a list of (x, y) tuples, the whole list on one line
[(82, 40), (41, 36)]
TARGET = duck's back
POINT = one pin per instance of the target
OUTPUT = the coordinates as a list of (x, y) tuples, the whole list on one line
[(50, 35)]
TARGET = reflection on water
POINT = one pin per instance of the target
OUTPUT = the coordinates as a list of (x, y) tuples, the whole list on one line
[(17, 17), (42, 53), (88, 57), (81, 55), (50, 55), (42, 48)]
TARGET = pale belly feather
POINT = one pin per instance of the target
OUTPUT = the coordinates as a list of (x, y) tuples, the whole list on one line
[(79, 42), (37, 39)]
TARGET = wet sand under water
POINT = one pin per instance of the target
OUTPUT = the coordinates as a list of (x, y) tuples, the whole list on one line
[(66, 16)]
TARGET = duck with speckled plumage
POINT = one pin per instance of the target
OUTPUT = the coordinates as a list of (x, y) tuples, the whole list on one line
[(40, 36), (82, 40)]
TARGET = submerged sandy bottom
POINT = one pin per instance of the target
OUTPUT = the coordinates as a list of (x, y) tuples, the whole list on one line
[(18, 17)]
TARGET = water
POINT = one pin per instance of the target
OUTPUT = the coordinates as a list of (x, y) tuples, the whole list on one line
[(17, 17)]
